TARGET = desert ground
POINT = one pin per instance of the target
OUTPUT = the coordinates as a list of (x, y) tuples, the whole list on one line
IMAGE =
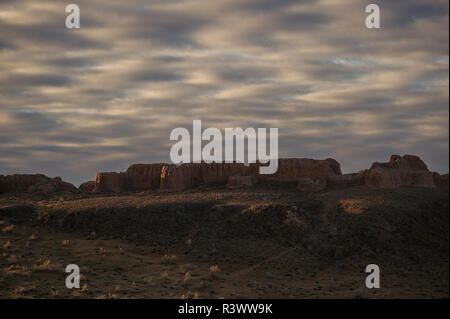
[(269, 241)]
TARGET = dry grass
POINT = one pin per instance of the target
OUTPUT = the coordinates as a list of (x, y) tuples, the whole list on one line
[(190, 295), (19, 292), (8, 229), (165, 275), (46, 266), (17, 270), (109, 296), (214, 272), (169, 260), (7, 245)]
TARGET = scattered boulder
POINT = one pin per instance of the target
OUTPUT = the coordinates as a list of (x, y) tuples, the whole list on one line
[(408, 170), (309, 184), (238, 181)]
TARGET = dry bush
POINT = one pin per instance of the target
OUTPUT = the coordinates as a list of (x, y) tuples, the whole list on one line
[(54, 292), (15, 270), (109, 296), (66, 242), (165, 275), (20, 291), (190, 295), (33, 237), (8, 229), (7, 245), (46, 266), (214, 272), (169, 259)]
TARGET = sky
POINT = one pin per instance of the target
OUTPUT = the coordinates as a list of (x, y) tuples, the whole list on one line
[(74, 102)]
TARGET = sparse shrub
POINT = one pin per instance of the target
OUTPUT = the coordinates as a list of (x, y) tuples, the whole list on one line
[(7, 245), (14, 270), (8, 229), (109, 296), (12, 259), (18, 292), (169, 259), (54, 292), (190, 295), (45, 266), (214, 272), (165, 275)]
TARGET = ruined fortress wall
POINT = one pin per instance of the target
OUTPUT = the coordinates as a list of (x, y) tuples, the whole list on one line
[(178, 177), (219, 172), (188, 175), (292, 168), (407, 170), (110, 182), (143, 176)]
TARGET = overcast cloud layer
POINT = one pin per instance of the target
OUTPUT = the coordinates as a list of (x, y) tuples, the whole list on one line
[(74, 102)]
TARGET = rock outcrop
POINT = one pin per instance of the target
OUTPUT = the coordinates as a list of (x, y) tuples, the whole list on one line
[(87, 186), (33, 183), (408, 170)]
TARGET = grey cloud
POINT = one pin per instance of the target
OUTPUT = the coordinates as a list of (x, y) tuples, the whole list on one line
[(40, 80), (157, 76)]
